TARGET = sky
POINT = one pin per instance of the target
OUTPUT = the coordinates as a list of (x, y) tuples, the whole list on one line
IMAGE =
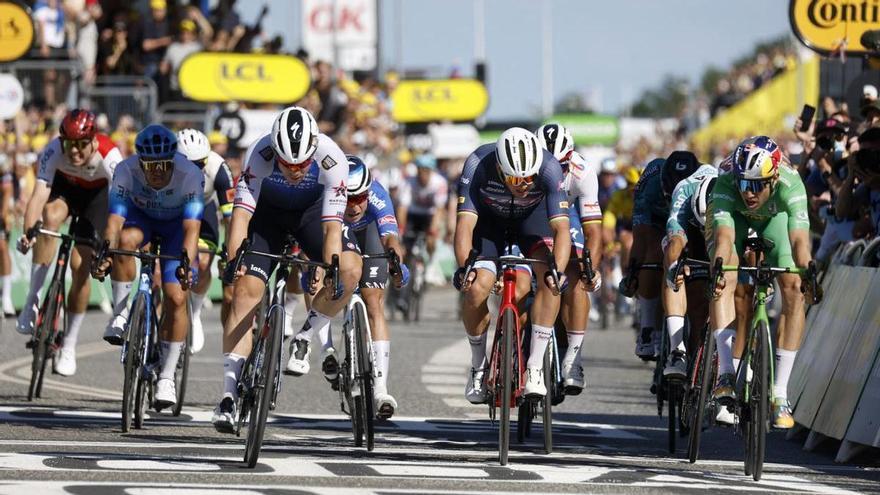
[(612, 49)]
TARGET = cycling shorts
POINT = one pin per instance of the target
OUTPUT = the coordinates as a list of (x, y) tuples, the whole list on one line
[(375, 271), (270, 226), (170, 233), (529, 234), (90, 205), (209, 233), (775, 229)]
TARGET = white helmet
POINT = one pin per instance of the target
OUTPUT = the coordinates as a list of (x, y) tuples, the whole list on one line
[(700, 199), (193, 143), (295, 135), (556, 139), (519, 153), (608, 166)]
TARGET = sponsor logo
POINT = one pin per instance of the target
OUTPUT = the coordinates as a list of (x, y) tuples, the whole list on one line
[(328, 162), (563, 205), (461, 200), (230, 195), (259, 270), (387, 220), (218, 77), (17, 33), (340, 189), (831, 25), (374, 272), (267, 153), (445, 99)]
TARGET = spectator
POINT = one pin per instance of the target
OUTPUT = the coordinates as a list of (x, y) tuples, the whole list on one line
[(50, 36), (185, 45), (117, 58), (333, 100), (228, 28), (86, 32), (156, 35), (864, 167)]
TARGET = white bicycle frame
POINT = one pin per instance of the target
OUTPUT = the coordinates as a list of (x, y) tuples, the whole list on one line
[(349, 339)]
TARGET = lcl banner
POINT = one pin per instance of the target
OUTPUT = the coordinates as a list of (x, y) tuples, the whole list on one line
[(341, 32)]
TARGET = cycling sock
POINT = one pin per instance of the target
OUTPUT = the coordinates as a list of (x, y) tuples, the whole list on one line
[(675, 327), (74, 321), (121, 290), (170, 356), (325, 336), (290, 302), (315, 321), (478, 351), (197, 301), (537, 348), (232, 364), (7, 292), (38, 278), (724, 344), (647, 312), (382, 350), (784, 363), (573, 354)]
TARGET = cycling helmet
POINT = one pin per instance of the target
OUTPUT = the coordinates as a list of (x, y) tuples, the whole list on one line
[(295, 135), (78, 124), (678, 166), (608, 166), (700, 199), (194, 144), (359, 177), (519, 153), (426, 161), (631, 175), (756, 158), (155, 142), (556, 139)]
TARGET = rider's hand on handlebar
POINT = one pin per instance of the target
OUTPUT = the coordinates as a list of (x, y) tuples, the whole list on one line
[(458, 279), (628, 286), (24, 244), (401, 279), (229, 275), (187, 276), (101, 267), (595, 284), (676, 283), (720, 284), (557, 288), (316, 277)]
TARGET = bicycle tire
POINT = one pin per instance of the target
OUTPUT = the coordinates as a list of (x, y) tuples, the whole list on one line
[(705, 372), (42, 341), (132, 364), (672, 419), (760, 400), (182, 372), (265, 387), (547, 401), (346, 380), (508, 327), (365, 374)]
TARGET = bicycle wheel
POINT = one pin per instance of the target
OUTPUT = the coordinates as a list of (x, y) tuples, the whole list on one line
[(365, 373), (132, 363), (672, 419), (704, 373), (346, 382), (760, 399), (42, 341), (508, 327), (180, 376), (263, 389), (547, 403)]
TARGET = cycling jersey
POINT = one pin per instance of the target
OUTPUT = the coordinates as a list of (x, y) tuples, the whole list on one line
[(650, 207), (582, 187), (620, 208), (380, 211), (261, 179), (181, 198), (424, 200), (681, 215), (95, 173), (218, 183), (482, 188)]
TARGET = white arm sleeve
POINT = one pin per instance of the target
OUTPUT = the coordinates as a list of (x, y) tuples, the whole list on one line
[(333, 174)]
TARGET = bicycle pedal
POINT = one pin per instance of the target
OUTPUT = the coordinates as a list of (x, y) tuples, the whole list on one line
[(335, 385), (571, 390)]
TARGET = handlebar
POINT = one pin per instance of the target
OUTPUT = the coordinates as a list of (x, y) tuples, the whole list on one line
[(104, 251), (38, 229), (508, 260), (764, 274), (393, 261), (586, 266)]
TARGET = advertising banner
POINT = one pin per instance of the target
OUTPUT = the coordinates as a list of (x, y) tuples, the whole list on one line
[(255, 78), (341, 31), (439, 100), (16, 31), (833, 26)]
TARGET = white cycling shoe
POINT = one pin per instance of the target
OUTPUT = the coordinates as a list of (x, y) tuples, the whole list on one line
[(535, 387), (166, 393), (385, 405), (573, 375), (25, 323), (725, 417), (198, 336), (475, 389), (66, 363), (298, 364), (115, 330)]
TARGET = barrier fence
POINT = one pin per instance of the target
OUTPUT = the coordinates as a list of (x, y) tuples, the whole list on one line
[(835, 384)]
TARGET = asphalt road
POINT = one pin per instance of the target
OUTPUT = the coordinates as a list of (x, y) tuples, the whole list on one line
[(607, 440)]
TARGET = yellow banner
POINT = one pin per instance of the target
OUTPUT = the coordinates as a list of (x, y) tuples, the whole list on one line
[(831, 25), (444, 99), (769, 110), (218, 77), (16, 31)]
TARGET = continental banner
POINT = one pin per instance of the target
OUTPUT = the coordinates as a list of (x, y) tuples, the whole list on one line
[(439, 100), (768, 110), (833, 26), (255, 78)]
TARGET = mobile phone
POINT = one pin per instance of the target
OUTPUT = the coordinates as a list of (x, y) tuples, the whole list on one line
[(807, 117)]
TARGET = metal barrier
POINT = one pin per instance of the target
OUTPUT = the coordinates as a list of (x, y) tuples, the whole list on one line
[(137, 96), (40, 76), (183, 114)]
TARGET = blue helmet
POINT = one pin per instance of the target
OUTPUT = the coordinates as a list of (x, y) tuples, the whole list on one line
[(426, 161), (155, 142), (359, 177)]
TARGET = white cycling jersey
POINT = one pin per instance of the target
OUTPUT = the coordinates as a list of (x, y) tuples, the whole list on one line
[(582, 186), (419, 200), (218, 183), (94, 174)]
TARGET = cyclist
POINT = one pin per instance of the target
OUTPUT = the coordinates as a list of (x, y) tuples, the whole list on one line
[(219, 194), (72, 179), (585, 217), (370, 215), (759, 194), (422, 201), (650, 212), (684, 228), (617, 222), (510, 191), (608, 181), (156, 191), (293, 182)]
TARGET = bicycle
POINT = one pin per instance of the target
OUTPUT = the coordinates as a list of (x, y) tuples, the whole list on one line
[(51, 325), (505, 381), (356, 371), (408, 299), (755, 372), (260, 380), (140, 346)]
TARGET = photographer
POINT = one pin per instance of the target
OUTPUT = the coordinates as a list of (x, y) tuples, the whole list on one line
[(863, 165)]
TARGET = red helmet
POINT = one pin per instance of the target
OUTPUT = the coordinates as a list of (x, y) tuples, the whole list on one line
[(78, 124)]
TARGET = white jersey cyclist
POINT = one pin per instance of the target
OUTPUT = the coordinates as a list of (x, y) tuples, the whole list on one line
[(582, 186), (421, 200), (95, 174)]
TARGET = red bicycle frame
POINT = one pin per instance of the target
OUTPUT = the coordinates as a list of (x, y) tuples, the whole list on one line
[(508, 301)]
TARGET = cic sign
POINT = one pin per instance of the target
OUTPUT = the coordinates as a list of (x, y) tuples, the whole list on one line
[(220, 77), (436, 100), (827, 26)]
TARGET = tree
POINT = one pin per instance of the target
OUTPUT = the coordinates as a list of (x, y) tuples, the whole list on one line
[(573, 102), (668, 100)]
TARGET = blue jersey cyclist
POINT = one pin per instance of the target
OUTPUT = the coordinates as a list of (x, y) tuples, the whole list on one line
[(370, 218), (156, 193), (293, 183), (510, 191)]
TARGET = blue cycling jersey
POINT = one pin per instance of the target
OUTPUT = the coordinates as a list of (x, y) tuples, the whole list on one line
[(650, 207), (183, 197), (380, 209)]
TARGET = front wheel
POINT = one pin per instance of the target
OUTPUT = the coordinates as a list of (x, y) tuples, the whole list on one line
[(547, 402), (181, 374), (704, 373), (43, 340), (759, 400), (508, 327), (134, 344), (264, 386), (366, 400)]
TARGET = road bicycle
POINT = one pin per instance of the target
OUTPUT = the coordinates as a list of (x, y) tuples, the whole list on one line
[(505, 380), (754, 391), (260, 380), (140, 347), (357, 369), (408, 300), (51, 325)]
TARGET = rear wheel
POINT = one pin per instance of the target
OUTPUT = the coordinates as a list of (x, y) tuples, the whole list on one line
[(704, 372), (365, 373), (132, 363), (264, 386), (547, 402), (508, 326)]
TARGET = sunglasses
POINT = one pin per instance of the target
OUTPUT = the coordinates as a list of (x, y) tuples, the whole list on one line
[(519, 181), (79, 144), (150, 166), (354, 199), (753, 186), (294, 166)]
